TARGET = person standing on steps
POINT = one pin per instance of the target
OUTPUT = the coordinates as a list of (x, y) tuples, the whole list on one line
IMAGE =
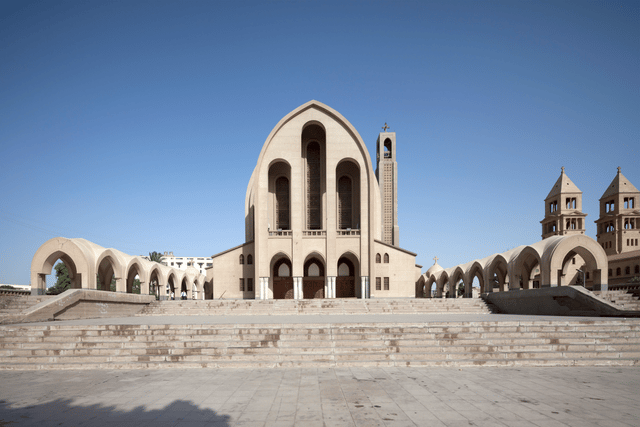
[(183, 295)]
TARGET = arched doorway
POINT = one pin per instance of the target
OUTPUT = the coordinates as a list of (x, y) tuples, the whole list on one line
[(282, 279), (346, 280), (313, 282)]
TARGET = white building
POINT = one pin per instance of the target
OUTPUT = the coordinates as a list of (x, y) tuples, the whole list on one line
[(182, 263)]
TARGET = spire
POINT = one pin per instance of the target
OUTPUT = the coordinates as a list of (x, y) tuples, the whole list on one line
[(563, 185), (620, 184)]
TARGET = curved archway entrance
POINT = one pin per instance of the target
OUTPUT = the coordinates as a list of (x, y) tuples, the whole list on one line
[(282, 279), (313, 282), (346, 280)]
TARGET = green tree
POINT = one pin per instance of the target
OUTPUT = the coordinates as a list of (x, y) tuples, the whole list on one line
[(155, 256), (63, 281), (135, 287)]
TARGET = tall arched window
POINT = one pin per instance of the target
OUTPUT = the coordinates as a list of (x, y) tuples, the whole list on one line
[(249, 259), (386, 258), (313, 149), (618, 271), (378, 258), (345, 214), (282, 204), (279, 196), (241, 259), (314, 196)]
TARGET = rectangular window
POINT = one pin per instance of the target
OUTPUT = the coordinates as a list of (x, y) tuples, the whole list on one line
[(241, 285), (386, 283), (378, 285), (250, 284)]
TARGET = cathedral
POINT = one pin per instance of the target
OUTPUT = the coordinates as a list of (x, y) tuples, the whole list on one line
[(320, 221)]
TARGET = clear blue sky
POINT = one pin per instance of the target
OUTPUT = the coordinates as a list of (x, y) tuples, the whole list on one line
[(137, 124)]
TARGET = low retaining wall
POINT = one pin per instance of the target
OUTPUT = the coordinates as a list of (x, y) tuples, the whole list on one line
[(82, 304), (556, 301)]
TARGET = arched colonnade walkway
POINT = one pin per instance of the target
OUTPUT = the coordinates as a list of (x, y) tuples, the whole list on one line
[(555, 261), (91, 266)]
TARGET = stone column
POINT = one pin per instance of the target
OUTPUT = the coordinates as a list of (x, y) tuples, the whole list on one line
[(366, 279), (298, 283), (363, 287), (327, 287), (262, 288), (332, 287)]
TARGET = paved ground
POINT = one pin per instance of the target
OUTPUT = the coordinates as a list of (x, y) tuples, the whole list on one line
[(318, 319), (323, 397)]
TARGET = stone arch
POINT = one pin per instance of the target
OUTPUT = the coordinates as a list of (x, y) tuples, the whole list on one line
[(282, 276), (348, 194), (420, 287), (173, 283), (496, 273), (430, 281), (443, 280), (110, 264), (314, 273), (157, 280), (136, 266), (347, 284), (456, 275), (557, 254), (522, 267), (476, 269), (79, 261), (313, 140), (279, 182)]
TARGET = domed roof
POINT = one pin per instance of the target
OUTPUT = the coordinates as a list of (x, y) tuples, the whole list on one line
[(435, 268)]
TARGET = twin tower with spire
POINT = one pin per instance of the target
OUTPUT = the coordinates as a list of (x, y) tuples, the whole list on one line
[(618, 228)]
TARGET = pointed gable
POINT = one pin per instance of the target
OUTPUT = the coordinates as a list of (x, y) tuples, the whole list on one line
[(620, 184), (563, 185)]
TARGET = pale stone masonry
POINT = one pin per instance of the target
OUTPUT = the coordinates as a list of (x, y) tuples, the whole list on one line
[(319, 222)]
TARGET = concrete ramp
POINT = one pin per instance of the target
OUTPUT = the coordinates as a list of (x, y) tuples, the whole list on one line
[(556, 301)]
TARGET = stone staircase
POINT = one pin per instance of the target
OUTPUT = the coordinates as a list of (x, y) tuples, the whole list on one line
[(319, 306), (16, 304), (610, 342), (623, 299)]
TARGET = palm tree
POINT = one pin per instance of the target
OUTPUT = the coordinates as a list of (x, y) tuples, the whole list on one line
[(155, 256)]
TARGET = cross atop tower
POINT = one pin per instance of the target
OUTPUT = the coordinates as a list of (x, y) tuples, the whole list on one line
[(435, 258), (385, 127)]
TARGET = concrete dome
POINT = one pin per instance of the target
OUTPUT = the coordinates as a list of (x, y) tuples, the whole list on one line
[(434, 269)]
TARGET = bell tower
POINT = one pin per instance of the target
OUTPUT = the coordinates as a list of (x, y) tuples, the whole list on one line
[(387, 174), (563, 209), (619, 222)]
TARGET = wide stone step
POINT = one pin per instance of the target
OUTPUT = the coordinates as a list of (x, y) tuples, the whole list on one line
[(531, 343)]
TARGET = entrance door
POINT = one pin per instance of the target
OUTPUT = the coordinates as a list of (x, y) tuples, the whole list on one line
[(283, 288), (345, 287), (313, 287)]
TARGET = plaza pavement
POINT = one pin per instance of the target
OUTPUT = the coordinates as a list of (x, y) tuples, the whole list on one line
[(544, 397)]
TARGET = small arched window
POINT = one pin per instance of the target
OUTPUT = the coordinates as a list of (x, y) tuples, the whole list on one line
[(618, 271), (637, 269), (249, 259), (241, 259), (610, 273), (386, 258), (378, 258), (627, 270)]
